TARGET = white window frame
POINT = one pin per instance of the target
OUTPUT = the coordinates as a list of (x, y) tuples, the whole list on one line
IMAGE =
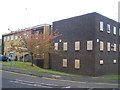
[(90, 45), (101, 45), (55, 46), (101, 62), (65, 62), (114, 30), (77, 45), (108, 28), (77, 63), (108, 46), (115, 47), (101, 25), (65, 46)]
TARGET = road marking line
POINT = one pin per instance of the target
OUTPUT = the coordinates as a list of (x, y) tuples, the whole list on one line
[(36, 82), (27, 83), (59, 79), (80, 82)]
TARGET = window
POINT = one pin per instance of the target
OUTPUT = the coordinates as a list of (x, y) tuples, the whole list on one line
[(114, 61), (5, 39), (101, 62), (114, 47), (77, 45), (12, 37), (65, 46), (8, 38), (108, 28), (114, 30), (56, 46), (77, 63), (101, 26), (64, 62), (16, 37), (108, 46), (89, 45), (101, 46)]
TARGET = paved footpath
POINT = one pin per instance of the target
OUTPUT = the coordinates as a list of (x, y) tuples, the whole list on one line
[(62, 77)]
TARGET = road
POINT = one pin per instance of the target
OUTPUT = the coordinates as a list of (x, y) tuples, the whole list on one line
[(17, 80)]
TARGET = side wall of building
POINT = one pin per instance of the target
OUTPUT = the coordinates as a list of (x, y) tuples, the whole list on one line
[(74, 29), (108, 56)]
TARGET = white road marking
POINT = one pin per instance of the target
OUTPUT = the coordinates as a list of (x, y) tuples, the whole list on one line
[(30, 84), (36, 82), (115, 84)]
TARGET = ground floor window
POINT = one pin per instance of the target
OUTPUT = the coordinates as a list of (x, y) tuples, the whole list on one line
[(77, 63), (64, 62)]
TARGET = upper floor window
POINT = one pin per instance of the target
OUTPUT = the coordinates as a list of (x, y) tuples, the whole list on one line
[(12, 37), (56, 46), (90, 45), (101, 45), (5, 39), (108, 46), (77, 45), (16, 37), (77, 63), (8, 38), (108, 28), (114, 30), (65, 46), (64, 62), (101, 26)]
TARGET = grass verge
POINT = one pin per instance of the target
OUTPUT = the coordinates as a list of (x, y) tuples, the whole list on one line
[(27, 66)]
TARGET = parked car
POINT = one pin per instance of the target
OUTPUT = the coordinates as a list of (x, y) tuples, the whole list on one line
[(4, 58)]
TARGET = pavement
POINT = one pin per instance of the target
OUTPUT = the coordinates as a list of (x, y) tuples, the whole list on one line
[(80, 78)]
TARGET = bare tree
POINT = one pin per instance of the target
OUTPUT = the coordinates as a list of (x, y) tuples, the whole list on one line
[(39, 44)]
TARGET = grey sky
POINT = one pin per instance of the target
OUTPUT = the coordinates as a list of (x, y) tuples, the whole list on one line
[(14, 15)]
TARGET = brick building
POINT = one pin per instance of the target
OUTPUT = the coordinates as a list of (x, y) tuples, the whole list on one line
[(89, 43)]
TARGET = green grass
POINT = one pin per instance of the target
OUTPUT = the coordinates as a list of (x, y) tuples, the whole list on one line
[(27, 66), (115, 76)]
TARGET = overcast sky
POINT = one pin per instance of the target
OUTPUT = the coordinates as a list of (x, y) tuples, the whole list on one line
[(16, 14)]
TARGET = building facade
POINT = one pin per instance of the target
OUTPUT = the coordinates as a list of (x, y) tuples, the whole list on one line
[(13, 39), (89, 43)]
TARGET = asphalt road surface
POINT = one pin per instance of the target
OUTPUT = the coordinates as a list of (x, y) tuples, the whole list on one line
[(17, 80)]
